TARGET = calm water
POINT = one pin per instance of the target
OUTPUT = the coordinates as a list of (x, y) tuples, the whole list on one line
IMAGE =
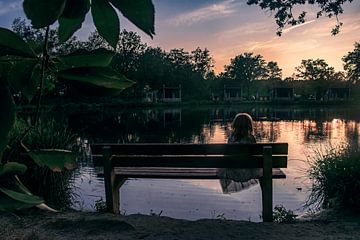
[(307, 130)]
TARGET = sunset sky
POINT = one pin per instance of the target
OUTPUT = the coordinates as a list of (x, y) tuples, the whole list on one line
[(230, 27)]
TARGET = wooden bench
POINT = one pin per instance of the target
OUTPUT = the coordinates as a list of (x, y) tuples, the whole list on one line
[(187, 161)]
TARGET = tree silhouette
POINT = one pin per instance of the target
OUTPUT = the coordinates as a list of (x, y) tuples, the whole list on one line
[(284, 11), (246, 68), (352, 64), (317, 71), (273, 71)]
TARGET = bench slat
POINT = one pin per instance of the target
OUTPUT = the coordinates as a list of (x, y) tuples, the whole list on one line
[(179, 149), (178, 173), (198, 161)]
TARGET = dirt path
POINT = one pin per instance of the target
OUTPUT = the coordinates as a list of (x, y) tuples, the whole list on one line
[(80, 226)]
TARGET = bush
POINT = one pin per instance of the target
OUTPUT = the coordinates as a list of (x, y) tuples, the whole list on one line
[(336, 179), (54, 187), (282, 215)]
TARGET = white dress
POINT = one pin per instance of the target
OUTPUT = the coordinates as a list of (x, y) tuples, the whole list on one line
[(237, 179)]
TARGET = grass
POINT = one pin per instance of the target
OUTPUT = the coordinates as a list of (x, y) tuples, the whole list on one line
[(54, 187), (336, 179), (283, 215)]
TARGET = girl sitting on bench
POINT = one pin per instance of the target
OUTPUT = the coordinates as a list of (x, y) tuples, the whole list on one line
[(232, 179)]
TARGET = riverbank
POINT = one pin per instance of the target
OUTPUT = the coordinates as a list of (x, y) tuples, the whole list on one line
[(86, 225), (88, 104)]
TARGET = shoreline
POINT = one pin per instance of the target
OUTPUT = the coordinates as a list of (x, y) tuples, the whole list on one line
[(133, 104), (35, 224)]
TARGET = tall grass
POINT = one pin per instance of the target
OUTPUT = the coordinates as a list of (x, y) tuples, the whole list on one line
[(54, 187), (336, 178)]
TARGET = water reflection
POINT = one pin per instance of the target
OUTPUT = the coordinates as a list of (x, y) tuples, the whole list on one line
[(305, 129)]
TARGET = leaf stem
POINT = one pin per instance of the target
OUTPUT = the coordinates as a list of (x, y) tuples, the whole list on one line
[(44, 66)]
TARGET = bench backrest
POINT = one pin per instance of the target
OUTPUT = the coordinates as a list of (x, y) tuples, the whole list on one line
[(190, 155)]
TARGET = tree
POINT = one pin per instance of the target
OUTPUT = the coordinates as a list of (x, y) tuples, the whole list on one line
[(273, 72), (314, 70), (284, 14), (352, 64), (128, 51), (35, 38), (319, 73), (95, 41), (202, 61), (246, 68), (152, 68)]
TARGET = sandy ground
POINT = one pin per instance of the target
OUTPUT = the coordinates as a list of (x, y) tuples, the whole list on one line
[(80, 225)]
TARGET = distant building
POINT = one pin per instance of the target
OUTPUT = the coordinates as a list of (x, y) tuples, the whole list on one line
[(171, 94), (282, 94), (151, 96), (232, 93), (338, 93), (260, 90)]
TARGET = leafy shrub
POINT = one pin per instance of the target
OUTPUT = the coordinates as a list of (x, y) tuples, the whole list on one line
[(100, 205), (282, 215), (54, 187), (336, 178)]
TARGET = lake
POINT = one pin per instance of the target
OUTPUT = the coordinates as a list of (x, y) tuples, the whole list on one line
[(308, 130)]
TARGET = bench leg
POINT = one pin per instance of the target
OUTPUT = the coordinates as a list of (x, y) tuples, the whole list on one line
[(113, 184), (266, 186), (111, 190)]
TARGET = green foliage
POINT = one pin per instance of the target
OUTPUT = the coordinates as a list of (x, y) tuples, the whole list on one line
[(12, 44), (24, 76), (140, 12), (56, 160), (316, 69), (20, 69), (13, 194), (106, 21), (42, 180), (102, 80), (282, 215), (274, 73), (100, 205), (244, 69), (12, 168), (7, 115), (352, 64), (43, 13), (284, 11), (84, 58), (22, 197), (336, 178), (72, 18)]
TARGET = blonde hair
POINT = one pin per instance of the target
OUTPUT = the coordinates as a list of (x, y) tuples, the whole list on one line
[(242, 126)]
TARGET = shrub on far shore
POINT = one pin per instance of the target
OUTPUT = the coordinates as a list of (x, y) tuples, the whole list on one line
[(336, 179)]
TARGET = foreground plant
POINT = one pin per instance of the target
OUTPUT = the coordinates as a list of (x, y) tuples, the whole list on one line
[(336, 178), (26, 69)]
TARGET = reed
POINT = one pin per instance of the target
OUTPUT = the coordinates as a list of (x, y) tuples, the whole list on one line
[(336, 178)]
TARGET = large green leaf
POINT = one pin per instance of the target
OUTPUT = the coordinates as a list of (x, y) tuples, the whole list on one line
[(8, 204), (43, 13), (83, 58), (104, 81), (55, 159), (140, 12), (12, 44), (7, 115), (22, 197), (11, 168), (5, 67), (106, 21), (72, 18), (24, 76), (15, 196)]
